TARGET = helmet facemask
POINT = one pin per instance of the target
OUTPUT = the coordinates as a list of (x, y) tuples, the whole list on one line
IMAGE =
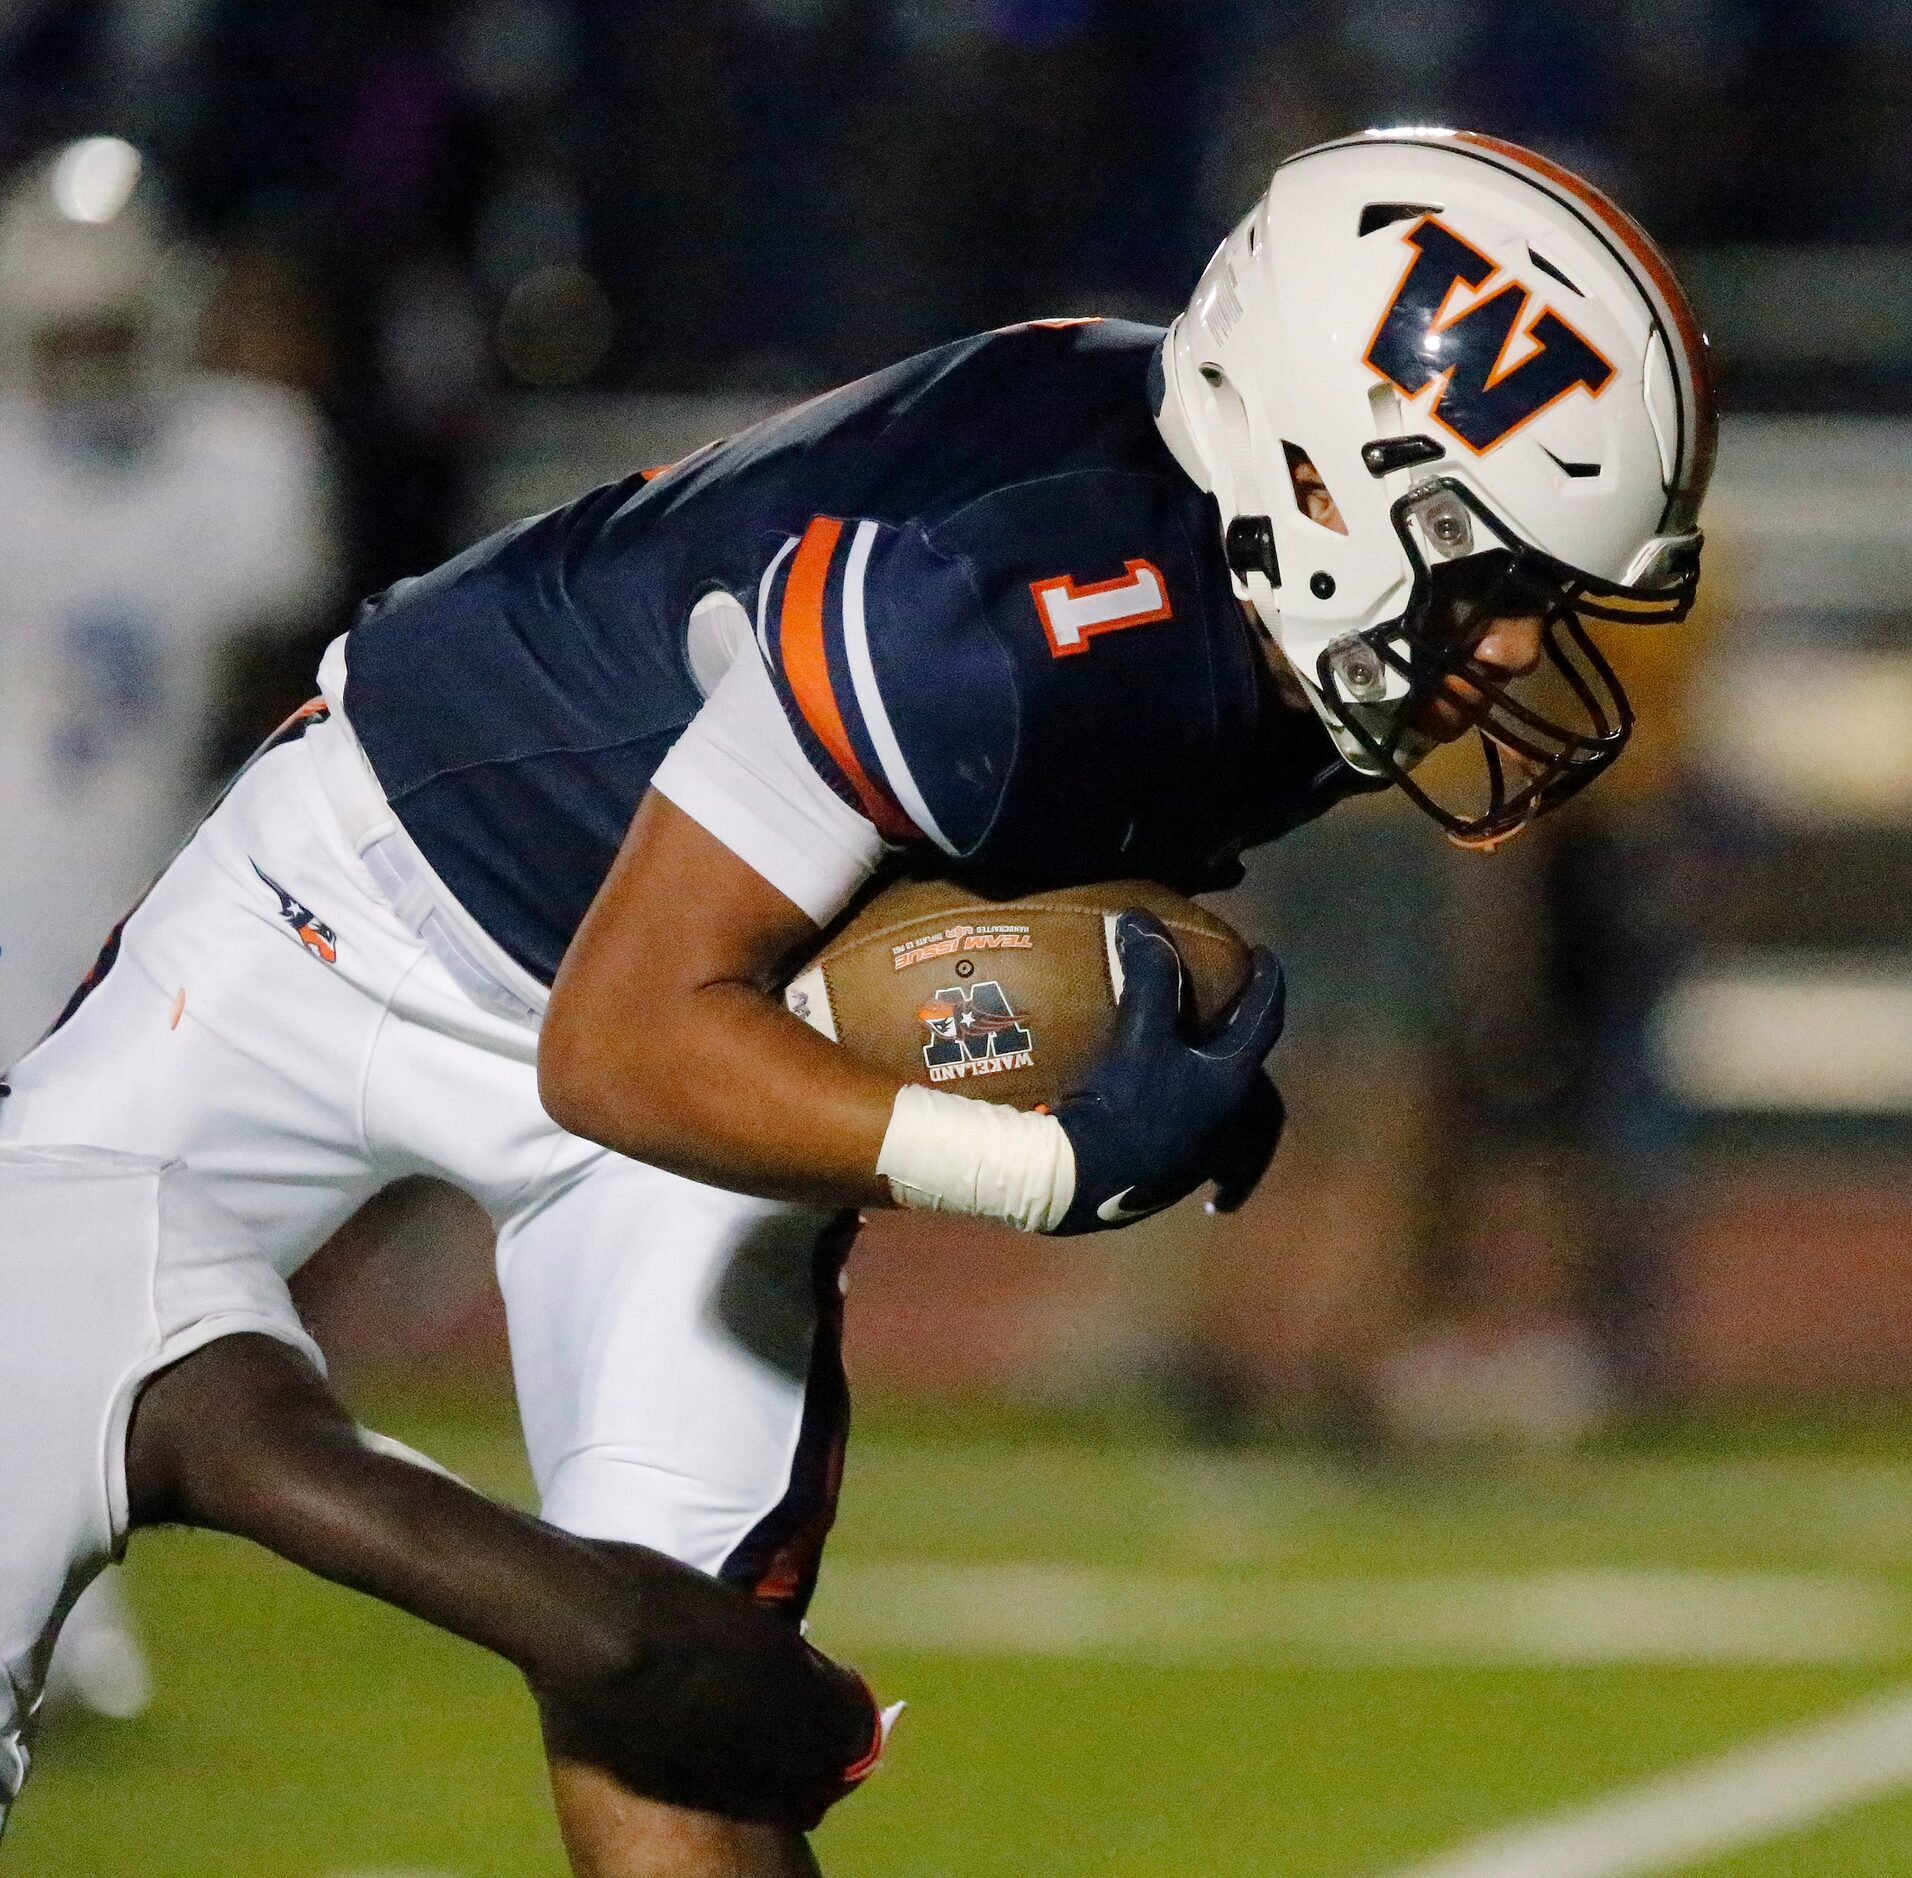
[(1536, 737)]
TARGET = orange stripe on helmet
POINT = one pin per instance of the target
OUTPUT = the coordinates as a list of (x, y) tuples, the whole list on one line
[(1645, 250), (807, 667)]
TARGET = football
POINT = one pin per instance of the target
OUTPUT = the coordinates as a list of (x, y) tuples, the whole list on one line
[(1007, 999)]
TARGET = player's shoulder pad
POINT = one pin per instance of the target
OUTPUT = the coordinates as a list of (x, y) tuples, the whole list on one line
[(917, 661), (859, 621), (1061, 560)]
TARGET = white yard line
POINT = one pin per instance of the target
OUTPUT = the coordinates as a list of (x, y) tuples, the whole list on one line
[(1758, 1792), (1546, 1619)]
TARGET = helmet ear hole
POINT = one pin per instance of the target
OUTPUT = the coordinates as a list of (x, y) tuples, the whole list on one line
[(1310, 491)]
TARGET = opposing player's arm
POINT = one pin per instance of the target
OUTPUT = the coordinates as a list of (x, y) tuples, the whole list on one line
[(665, 1038), (680, 1688)]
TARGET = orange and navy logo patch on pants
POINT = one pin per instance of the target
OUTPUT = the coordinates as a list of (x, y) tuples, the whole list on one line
[(313, 933)]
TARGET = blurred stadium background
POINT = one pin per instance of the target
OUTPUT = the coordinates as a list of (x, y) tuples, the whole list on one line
[(1522, 1488)]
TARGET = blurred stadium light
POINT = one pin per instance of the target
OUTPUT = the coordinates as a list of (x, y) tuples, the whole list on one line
[(1811, 1034), (94, 179)]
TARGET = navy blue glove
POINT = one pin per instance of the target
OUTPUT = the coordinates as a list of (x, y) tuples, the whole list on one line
[(1159, 1114)]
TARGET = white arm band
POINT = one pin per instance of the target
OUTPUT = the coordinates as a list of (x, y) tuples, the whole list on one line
[(953, 1154)]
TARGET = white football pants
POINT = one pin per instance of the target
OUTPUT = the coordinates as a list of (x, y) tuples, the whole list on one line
[(674, 1346)]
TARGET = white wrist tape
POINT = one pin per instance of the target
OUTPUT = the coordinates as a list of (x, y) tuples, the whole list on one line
[(947, 1153)]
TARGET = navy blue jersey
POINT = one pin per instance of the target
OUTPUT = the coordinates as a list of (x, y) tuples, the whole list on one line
[(994, 607)]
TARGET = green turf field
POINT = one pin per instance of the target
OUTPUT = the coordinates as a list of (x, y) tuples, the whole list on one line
[(1122, 1660)]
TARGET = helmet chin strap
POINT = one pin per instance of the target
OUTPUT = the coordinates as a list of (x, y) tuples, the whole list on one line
[(1264, 597), (1412, 746)]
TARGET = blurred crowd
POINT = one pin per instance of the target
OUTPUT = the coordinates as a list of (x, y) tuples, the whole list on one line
[(413, 201)]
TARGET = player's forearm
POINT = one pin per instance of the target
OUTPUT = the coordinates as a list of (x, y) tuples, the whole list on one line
[(665, 1041), (723, 1085), (243, 1437)]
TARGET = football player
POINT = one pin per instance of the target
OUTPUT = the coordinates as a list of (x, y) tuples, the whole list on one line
[(154, 521), (1067, 601), (120, 610)]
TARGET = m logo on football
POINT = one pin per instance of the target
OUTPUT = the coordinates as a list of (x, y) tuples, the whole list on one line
[(1494, 368), (974, 1032), (1073, 615)]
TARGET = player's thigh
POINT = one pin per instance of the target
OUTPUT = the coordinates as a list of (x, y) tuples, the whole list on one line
[(677, 1351), (212, 1036)]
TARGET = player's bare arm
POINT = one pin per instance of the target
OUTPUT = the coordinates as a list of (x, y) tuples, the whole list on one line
[(664, 1041), (669, 1684)]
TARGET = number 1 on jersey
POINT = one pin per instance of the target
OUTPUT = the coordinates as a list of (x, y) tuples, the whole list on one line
[(1072, 615)]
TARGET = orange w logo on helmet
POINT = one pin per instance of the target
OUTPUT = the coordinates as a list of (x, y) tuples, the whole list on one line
[(1482, 399)]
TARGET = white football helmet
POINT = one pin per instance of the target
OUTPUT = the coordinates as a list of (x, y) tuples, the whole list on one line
[(1503, 388), (79, 245)]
